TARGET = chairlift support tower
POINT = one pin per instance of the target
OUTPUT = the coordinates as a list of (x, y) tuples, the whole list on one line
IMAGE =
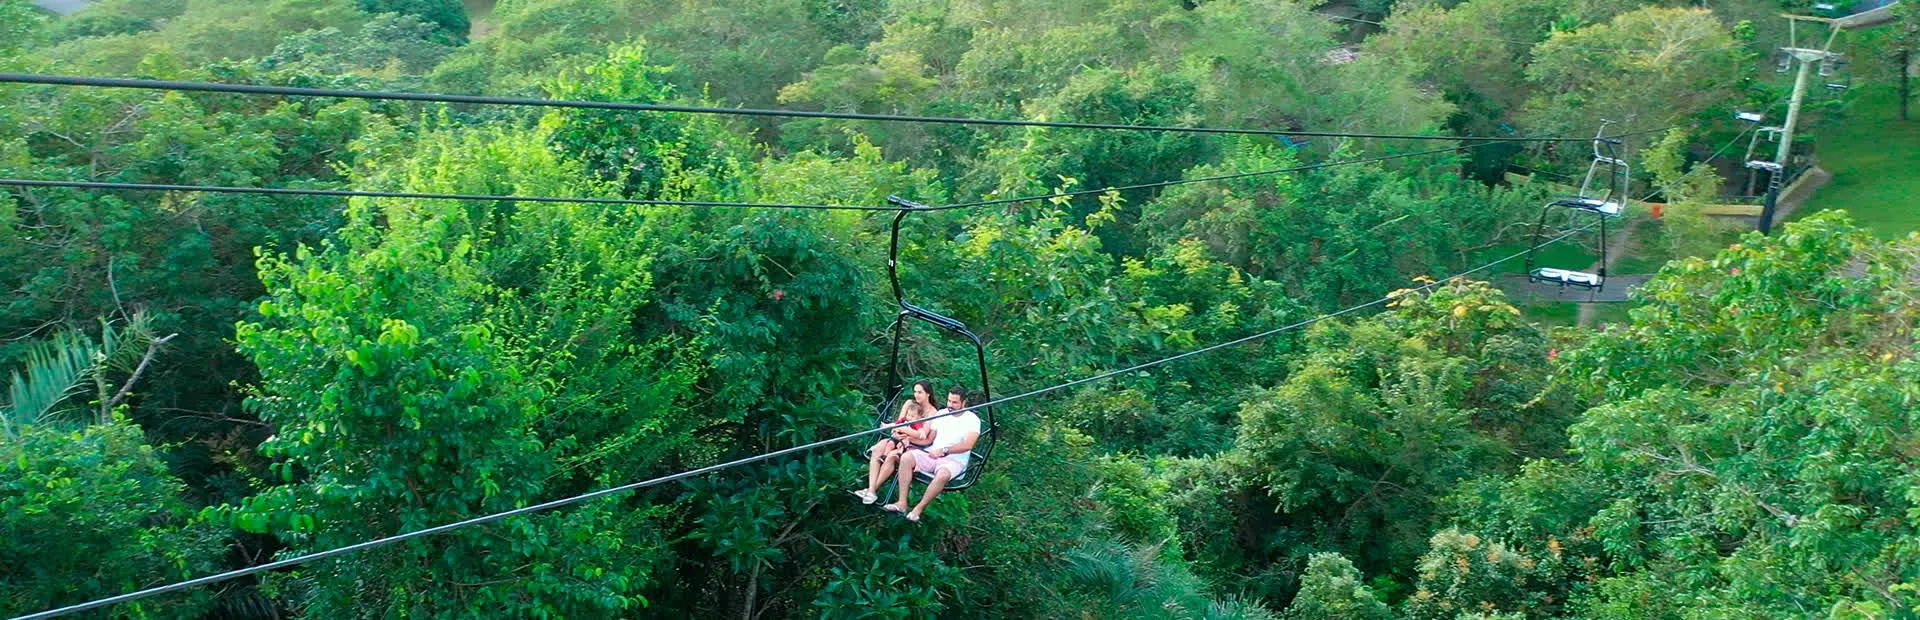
[(1806, 57)]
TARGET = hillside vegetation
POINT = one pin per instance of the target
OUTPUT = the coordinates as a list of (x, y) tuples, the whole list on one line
[(209, 381)]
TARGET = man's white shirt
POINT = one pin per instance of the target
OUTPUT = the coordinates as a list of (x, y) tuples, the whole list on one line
[(950, 431)]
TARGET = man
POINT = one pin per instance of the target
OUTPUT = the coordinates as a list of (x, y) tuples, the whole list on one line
[(946, 459)]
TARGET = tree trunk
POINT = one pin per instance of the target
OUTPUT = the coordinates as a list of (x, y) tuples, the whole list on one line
[(1906, 60)]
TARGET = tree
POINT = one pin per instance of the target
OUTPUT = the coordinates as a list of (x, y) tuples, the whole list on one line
[(646, 155), (442, 361), (22, 23), (1331, 588), (1685, 57), (389, 46), (1744, 457), (61, 367), (1364, 230), (1377, 423), (91, 513), (182, 260), (1685, 228), (449, 15)]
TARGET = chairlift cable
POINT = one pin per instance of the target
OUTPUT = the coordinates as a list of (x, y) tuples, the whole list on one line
[(295, 91), (1229, 177), (342, 193)]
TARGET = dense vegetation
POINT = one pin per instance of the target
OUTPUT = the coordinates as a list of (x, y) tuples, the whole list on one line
[(200, 382)]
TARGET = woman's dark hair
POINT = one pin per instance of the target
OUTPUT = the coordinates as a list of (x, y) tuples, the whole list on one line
[(928, 388)]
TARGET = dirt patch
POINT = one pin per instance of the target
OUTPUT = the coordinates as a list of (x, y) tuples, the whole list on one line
[(480, 15)]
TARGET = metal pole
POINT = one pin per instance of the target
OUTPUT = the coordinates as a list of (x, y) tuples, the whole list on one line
[(1766, 209), (1786, 132), (1793, 108), (1906, 63)]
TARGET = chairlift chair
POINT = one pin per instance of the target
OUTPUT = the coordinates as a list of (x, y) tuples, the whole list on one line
[(1832, 63), (1836, 78), (897, 388), (1606, 204)]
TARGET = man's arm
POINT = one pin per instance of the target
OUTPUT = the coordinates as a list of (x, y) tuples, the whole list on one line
[(965, 445)]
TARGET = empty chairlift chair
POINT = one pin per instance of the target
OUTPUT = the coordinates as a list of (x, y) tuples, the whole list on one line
[(1606, 203), (1834, 75)]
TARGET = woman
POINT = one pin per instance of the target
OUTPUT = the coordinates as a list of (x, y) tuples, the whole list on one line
[(885, 454)]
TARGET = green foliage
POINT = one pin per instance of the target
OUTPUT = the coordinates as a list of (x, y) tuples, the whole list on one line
[(465, 376), (21, 23), (1375, 424), (1462, 573), (1106, 158), (1747, 448), (1111, 580), (1685, 229), (91, 513), (1054, 304), (183, 260), (892, 580), (388, 45), (648, 155), (1606, 71), (532, 41), (408, 363), (117, 38), (1331, 588), (1336, 238), (449, 15), (56, 369)]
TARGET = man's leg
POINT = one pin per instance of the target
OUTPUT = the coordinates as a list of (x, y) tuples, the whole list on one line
[(909, 459), (940, 478)]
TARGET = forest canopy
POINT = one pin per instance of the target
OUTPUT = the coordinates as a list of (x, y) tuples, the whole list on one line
[(206, 381)]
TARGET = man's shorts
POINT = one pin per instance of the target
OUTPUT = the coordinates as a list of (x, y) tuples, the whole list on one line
[(924, 462)]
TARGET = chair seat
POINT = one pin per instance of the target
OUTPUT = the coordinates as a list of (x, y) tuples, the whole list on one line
[(1565, 277), (1603, 207)]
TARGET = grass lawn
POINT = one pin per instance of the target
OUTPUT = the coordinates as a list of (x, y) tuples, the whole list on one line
[(1608, 314), (1565, 313), (1564, 255), (1648, 251), (1875, 161)]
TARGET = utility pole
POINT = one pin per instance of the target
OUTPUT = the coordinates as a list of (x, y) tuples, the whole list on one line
[(1906, 69), (1805, 57)]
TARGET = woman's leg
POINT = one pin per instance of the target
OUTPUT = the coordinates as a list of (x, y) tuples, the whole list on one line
[(886, 470), (876, 456)]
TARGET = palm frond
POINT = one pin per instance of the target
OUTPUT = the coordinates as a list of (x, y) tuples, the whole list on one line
[(56, 369)]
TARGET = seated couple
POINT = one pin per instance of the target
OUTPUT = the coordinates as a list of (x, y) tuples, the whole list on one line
[(940, 447)]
